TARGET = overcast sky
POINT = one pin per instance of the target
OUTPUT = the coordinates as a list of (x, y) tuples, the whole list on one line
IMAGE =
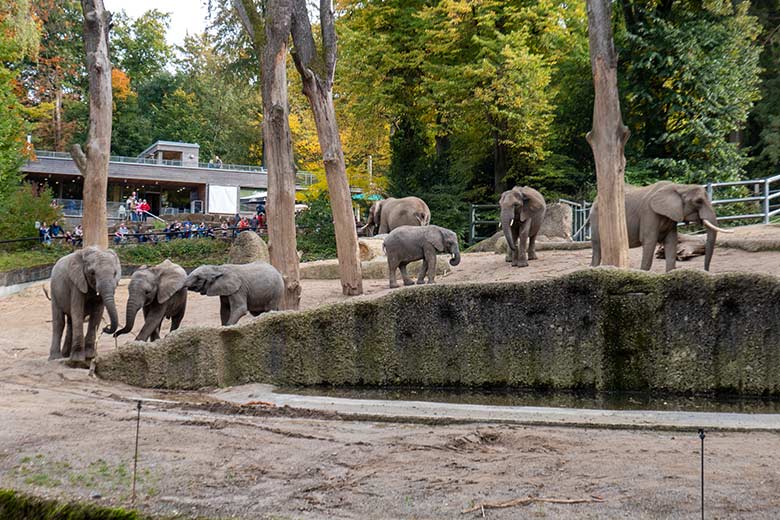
[(187, 16)]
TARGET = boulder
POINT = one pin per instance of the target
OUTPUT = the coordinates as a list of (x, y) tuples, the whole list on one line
[(374, 269), (370, 248), (542, 245), (248, 247), (556, 226)]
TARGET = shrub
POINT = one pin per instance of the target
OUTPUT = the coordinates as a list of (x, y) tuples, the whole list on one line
[(19, 210), (186, 252), (317, 234)]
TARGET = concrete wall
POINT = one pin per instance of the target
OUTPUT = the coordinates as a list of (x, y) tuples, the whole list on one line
[(685, 332)]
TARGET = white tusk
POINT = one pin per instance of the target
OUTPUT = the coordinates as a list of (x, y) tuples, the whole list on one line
[(713, 227), (512, 223)]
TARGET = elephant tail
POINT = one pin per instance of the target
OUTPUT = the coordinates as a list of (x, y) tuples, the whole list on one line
[(422, 219), (46, 293)]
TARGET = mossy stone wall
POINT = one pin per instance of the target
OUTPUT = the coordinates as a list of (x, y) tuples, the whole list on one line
[(600, 328)]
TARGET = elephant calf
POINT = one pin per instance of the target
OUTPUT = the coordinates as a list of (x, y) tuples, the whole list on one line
[(160, 291), (409, 243), (255, 288)]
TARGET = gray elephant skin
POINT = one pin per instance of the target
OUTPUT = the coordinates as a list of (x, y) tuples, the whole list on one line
[(386, 215), (652, 214), (82, 286), (242, 288), (522, 214), (160, 291), (409, 243)]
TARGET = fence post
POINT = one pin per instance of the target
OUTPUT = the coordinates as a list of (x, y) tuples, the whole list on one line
[(471, 224), (766, 201), (709, 191)]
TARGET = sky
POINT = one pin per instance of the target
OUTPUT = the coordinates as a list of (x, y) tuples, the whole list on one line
[(187, 16)]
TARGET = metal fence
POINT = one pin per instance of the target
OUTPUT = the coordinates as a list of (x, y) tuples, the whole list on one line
[(761, 203)]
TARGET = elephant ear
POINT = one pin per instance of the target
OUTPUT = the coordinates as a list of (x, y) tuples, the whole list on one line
[(224, 284), (667, 202), (171, 281), (436, 237), (117, 266), (531, 204), (76, 271)]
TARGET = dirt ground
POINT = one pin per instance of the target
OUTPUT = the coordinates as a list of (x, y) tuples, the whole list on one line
[(66, 434)]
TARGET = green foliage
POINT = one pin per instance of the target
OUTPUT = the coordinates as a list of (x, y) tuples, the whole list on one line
[(317, 234), (20, 209), (690, 80), (185, 252), (37, 255), (138, 46), (14, 504)]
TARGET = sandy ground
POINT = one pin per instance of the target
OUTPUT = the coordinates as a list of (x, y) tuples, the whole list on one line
[(66, 434)]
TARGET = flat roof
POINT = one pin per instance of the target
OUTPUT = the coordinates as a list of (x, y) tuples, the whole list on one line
[(157, 144)]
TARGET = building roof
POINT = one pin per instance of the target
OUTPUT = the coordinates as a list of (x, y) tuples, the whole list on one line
[(166, 144)]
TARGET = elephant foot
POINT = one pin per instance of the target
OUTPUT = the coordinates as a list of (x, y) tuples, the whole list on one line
[(57, 355), (394, 286), (78, 356), (408, 282), (507, 258), (532, 256), (522, 263), (71, 363), (90, 352)]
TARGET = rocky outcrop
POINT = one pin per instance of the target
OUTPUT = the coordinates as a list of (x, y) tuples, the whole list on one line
[(556, 225), (607, 329), (248, 247)]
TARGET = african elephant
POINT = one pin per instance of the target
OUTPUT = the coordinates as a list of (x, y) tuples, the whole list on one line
[(386, 215), (652, 214), (160, 291), (242, 288), (82, 285), (409, 243), (522, 214)]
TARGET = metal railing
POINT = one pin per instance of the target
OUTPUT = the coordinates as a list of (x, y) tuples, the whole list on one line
[(476, 221), (580, 224), (303, 178)]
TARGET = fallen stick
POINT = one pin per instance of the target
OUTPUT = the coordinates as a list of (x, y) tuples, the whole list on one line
[(529, 500)]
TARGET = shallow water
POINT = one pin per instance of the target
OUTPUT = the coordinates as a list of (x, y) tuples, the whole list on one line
[(555, 399)]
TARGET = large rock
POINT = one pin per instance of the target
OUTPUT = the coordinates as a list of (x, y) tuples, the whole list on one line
[(370, 248), (374, 269), (606, 329), (557, 223), (543, 245), (248, 247)]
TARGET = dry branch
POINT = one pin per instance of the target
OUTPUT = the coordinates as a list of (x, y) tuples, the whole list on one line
[(530, 500)]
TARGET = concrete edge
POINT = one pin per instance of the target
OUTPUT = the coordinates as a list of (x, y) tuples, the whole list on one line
[(448, 413)]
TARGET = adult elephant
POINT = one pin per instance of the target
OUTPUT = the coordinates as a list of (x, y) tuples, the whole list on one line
[(386, 215), (409, 243), (522, 214), (160, 291), (82, 286), (652, 215), (242, 288)]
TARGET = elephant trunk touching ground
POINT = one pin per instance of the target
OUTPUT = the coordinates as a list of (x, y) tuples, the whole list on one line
[(455, 252), (710, 221), (507, 215), (106, 291)]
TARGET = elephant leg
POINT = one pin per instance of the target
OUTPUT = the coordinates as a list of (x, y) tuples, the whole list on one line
[(152, 319), (648, 252), (176, 320), (520, 259), (90, 347), (77, 320), (532, 248), (595, 259), (68, 337), (430, 260), (670, 249), (423, 270), (237, 308), (405, 273), (224, 309), (155, 334), (57, 325)]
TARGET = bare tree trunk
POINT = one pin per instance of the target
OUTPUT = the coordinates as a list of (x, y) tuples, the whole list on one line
[(608, 137), (319, 91), (58, 119), (93, 163)]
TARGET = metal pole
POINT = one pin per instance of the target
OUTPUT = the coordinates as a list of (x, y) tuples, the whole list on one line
[(701, 436), (471, 225), (135, 458), (766, 201)]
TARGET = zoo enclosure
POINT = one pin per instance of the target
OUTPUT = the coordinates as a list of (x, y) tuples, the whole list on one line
[(763, 202)]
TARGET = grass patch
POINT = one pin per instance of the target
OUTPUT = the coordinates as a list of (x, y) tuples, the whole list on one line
[(40, 255)]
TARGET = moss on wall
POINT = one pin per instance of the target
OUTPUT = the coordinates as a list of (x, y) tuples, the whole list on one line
[(600, 328)]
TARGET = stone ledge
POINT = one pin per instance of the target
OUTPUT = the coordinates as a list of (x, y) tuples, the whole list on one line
[(602, 328)]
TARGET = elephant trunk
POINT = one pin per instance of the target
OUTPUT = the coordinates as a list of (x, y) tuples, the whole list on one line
[(106, 290), (507, 215), (130, 313), (455, 252), (708, 215)]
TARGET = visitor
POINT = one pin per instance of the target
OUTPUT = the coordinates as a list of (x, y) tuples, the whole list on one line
[(243, 225), (69, 238), (54, 203), (78, 236), (131, 200), (43, 232), (253, 223), (139, 233), (56, 229), (139, 212), (224, 228), (145, 208), (218, 162), (122, 212), (202, 229)]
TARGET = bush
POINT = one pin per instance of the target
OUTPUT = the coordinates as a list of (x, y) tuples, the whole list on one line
[(185, 252), (317, 236), (19, 210)]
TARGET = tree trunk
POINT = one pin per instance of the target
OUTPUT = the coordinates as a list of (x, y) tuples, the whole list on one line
[(93, 163), (277, 141), (319, 91), (608, 137), (58, 119)]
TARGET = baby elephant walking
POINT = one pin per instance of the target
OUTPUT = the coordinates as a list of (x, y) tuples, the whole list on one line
[(409, 243), (255, 288)]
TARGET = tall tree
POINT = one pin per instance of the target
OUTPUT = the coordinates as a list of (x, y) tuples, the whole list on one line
[(138, 45), (93, 163), (317, 70), (269, 32), (608, 136)]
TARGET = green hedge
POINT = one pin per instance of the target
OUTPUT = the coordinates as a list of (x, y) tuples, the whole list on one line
[(19, 506)]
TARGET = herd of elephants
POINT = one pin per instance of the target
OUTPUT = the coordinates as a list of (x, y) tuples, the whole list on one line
[(83, 282)]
